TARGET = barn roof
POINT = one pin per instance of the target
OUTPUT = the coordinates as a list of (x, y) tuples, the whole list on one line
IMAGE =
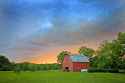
[(79, 58)]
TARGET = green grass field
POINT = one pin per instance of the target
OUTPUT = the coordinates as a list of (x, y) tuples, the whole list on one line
[(60, 77)]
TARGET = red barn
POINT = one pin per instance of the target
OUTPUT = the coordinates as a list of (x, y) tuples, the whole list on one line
[(75, 63)]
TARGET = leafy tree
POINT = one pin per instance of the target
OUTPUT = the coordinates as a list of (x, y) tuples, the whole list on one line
[(122, 63), (109, 55), (5, 64), (86, 51), (121, 37), (121, 40), (61, 56)]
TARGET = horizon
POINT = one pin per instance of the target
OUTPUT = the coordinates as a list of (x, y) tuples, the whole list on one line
[(38, 30)]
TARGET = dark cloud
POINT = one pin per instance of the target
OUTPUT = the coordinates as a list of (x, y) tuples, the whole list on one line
[(64, 33)]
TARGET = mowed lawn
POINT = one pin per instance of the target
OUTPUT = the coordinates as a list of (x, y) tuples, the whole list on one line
[(60, 77)]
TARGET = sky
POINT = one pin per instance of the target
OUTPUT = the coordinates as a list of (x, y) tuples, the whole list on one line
[(37, 30)]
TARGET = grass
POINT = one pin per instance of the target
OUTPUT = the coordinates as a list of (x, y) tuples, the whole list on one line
[(60, 77)]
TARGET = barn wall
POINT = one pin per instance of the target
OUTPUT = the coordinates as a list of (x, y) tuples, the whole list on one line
[(77, 66), (67, 63)]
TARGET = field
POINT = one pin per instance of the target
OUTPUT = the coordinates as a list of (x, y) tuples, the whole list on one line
[(60, 77)]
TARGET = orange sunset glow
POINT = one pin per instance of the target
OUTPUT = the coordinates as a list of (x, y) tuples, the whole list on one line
[(51, 56)]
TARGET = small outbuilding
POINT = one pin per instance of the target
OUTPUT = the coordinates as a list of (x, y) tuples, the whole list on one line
[(75, 63)]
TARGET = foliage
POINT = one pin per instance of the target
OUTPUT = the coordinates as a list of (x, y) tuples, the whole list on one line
[(5, 64), (109, 55), (121, 40), (103, 70), (61, 56), (121, 37), (86, 51), (35, 67), (122, 63)]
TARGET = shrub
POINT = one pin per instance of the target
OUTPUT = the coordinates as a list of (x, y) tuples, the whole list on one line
[(103, 70)]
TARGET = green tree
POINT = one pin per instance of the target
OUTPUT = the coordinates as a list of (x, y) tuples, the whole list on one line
[(122, 63), (61, 56), (121, 37), (109, 55), (121, 40), (86, 51), (5, 64)]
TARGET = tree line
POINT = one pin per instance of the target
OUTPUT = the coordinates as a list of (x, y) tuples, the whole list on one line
[(6, 65), (35, 67)]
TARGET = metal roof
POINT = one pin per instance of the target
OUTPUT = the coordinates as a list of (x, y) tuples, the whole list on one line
[(79, 58)]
